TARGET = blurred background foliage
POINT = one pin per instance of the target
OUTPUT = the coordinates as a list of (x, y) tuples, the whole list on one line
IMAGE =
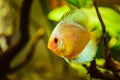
[(44, 16)]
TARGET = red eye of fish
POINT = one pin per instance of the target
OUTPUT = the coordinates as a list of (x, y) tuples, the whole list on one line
[(55, 40)]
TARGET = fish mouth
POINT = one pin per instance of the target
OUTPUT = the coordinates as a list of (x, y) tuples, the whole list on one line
[(53, 48)]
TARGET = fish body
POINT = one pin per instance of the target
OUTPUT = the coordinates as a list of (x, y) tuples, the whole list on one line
[(72, 41)]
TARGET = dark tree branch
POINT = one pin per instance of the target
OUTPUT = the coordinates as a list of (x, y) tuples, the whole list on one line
[(104, 38), (99, 16), (7, 56), (95, 73), (39, 34), (110, 64)]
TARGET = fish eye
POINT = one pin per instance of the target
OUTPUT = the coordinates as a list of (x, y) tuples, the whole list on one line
[(55, 40)]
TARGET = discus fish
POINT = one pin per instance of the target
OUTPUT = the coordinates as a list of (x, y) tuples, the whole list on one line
[(71, 40)]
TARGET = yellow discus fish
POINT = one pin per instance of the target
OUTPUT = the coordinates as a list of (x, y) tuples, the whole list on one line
[(71, 41)]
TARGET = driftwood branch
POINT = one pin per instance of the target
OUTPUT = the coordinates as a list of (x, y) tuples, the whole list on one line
[(33, 42), (7, 56), (110, 63)]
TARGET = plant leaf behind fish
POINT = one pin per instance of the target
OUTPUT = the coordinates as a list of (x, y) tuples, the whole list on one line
[(57, 13), (80, 3)]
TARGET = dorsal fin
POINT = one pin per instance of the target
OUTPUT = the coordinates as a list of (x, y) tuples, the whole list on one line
[(67, 15), (78, 16)]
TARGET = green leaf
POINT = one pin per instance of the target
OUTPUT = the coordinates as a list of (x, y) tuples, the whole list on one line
[(57, 13), (110, 17), (80, 3), (112, 23), (84, 75)]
